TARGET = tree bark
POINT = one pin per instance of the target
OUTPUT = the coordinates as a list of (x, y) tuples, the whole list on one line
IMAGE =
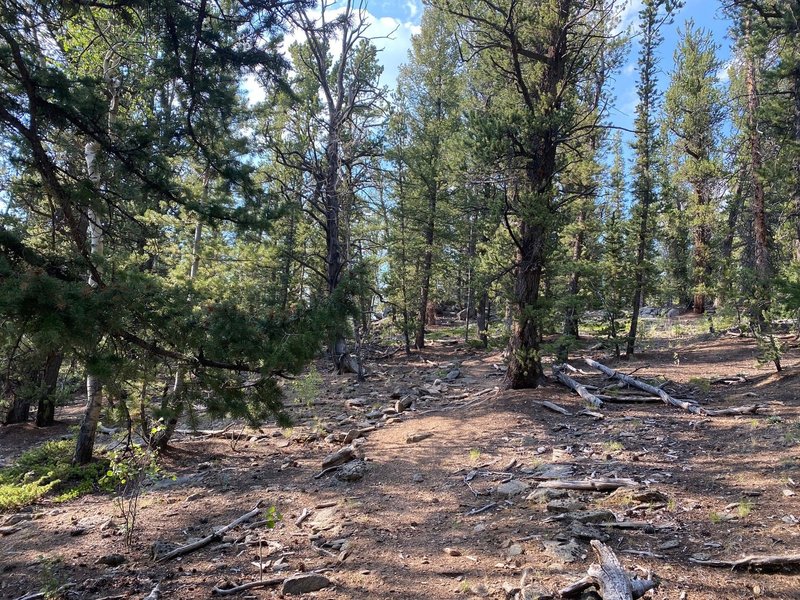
[(45, 415), (760, 232), (427, 267), (525, 365)]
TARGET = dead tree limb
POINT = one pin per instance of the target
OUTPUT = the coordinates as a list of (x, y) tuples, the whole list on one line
[(592, 485), (552, 406), (610, 578), (216, 536), (217, 591), (632, 381), (576, 387), (752, 561)]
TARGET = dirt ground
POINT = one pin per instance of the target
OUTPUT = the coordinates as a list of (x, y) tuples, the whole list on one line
[(411, 527)]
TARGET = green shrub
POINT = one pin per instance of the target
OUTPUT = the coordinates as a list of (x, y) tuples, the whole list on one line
[(45, 469)]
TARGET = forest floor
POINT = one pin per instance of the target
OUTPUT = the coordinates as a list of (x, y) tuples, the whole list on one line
[(707, 488)]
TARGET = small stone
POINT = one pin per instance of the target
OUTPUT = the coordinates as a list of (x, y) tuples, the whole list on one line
[(512, 488), (669, 544), (515, 550), (453, 375), (565, 552), (112, 560), (417, 478), (479, 528), (305, 583), (355, 402), (418, 437), (788, 493), (352, 471), (545, 495), (452, 552), (75, 532), (480, 590), (564, 506)]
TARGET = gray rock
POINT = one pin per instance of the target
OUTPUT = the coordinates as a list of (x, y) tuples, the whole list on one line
[(305, 583), (587, 532), (352, 471), (564, 506), (545, 495), (512, 488), (593, 516), (515, 550), (453, 375), (418, 437), (417, 478), (563, 551), (550, 471), (112, 560)]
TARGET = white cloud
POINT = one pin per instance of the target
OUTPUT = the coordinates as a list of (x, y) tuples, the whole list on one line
[(628, 14), (391, 35), (724, 72), (629, 69)]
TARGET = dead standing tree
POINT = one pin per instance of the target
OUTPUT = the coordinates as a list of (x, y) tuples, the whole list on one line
[(348, 86)]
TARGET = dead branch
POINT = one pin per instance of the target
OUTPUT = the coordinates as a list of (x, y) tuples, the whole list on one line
[(596, 485), (752, 561), (738, 410), (628, 398), (575, 386), (477, 511), (632, 381), (553, 407), (205, 432), (609, 577), (217, 535), (247, 586)]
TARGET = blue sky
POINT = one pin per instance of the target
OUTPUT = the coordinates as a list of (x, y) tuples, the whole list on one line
[(404, 15)]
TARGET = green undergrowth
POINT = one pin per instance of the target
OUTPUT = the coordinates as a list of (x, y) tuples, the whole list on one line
[(47, 470)]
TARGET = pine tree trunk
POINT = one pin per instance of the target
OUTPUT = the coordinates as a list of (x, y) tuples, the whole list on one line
[(427, 267), (172, 407), (796, 157), (641, 251), (46, 413), (483, 319), (525, 366), (573, 288), (760, 232)]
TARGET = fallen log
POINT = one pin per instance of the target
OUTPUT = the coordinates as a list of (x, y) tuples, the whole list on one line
[(752, 561), (218, 591), (206, 432), (656, 391), (592, 485), (576, 387), (609, 577), (216, 536), (628, 398), (738, 410)]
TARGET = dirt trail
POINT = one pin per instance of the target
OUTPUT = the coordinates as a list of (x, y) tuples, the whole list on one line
[(709, 488)]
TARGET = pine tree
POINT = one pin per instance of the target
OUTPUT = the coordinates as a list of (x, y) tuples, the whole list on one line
[(651, 18), (694, 113)]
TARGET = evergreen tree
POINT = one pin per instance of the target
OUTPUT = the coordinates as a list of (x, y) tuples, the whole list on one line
[(653, 15), (694, 112)]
